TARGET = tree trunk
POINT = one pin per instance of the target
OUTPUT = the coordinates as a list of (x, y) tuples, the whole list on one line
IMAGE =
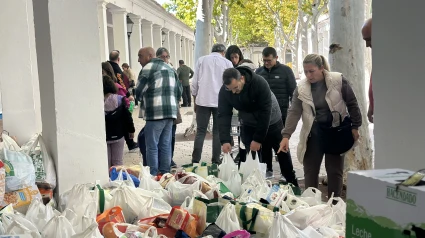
[(202, 35), (346, 20)]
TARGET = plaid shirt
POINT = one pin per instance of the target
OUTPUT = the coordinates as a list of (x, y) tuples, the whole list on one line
[(159, 91)]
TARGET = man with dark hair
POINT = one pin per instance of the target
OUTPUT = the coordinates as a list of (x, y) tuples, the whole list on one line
[(259, 112), (206, 85), (185, 73), (282, 83), (114, 60)]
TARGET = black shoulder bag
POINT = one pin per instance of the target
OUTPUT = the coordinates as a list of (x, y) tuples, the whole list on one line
[(338, 140)]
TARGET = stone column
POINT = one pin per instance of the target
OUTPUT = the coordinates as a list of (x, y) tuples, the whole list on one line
[(172, 40), (157, 36), (183, 49), (178, 47), (147, 33), (135, 44), (166, 38), (192, 54), (188, 51), (18, 63), (103, 30), (119, 18), (70, 88)]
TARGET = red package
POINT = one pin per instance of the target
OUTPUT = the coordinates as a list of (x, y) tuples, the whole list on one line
[(114, 215)]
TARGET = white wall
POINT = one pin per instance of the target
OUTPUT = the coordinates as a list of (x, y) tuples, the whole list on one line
[(18, 64), (399, 84), (71, 89)]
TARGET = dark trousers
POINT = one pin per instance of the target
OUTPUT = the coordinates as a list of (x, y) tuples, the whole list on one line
[(130, 142), (142, 144), (313, 158), (187, 101), (203, 115), (133, 91), (272, 141)]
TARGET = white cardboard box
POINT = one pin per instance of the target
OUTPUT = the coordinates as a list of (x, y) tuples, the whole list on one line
[(376, 209)]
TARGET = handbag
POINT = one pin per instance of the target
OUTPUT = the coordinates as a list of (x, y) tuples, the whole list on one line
[(338, 140)]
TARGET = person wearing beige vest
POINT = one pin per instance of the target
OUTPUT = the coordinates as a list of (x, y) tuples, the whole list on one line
[(315, 97)]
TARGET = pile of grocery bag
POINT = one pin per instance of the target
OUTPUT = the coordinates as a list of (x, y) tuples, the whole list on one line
[(199, 200)]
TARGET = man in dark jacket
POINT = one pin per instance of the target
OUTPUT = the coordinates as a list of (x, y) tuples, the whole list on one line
[(259, 112), (185, 73), (282, 82)]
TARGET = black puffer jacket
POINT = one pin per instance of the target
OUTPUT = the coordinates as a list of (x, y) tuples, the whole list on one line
[(282, 82), (256, 105)]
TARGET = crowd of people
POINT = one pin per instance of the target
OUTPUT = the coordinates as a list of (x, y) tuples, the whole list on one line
[(268, 100)]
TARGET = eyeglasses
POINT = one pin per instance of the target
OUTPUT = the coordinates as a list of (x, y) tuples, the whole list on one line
[(267, 60), (164, 56)]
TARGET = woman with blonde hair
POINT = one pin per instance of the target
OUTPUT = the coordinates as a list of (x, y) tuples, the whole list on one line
[(323, 100)]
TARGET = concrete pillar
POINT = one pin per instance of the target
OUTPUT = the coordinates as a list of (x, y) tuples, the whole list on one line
[(147, 33), (71, 102), (103, 30), (191, 54), (183, 49), (398, 87), (18, 64), (157, 36), (166, 39), (135, 44), (187, 51), (173, 55), (119, 18), (178, 47)]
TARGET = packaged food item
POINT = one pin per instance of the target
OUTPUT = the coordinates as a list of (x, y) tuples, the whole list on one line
[(114, 215), (2, 182), (46, 194), (178, 218), (21, 199)]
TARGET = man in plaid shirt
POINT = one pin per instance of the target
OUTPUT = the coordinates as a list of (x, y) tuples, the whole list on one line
[(158, 90)]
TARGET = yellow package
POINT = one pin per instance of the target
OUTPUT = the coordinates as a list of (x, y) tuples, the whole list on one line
[(21, 199)]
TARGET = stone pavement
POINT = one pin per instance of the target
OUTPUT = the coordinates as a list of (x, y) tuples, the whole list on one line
[(184, 146)]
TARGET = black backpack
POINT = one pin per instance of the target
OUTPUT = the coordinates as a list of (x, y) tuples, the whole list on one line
[(114, 123)]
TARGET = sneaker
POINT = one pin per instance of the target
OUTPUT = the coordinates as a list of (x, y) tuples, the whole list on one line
[(173, 165), (133, 147), (269, 175)]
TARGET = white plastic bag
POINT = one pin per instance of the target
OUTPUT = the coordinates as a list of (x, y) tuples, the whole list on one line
[(78, 198), (282, 227), (152, 233), (45, 173), (312, 196), (129, 199), (120, 179), (234, 183), (180, 191), (226, 167), (339, 211), (227, 220), (146, 180), (316, 216), (20, 172), (188, 204), (250, 164), (91, 232), (294, 202), (39, 214), (154, 207), (58, 226), (16, 224)]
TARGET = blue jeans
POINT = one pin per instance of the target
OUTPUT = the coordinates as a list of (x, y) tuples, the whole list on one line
[(142, 145), (158, 138)]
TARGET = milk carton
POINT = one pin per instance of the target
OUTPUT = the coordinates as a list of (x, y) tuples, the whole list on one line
[(376, 208)]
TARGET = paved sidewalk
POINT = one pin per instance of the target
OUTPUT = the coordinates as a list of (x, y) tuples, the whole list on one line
[(184, 146)]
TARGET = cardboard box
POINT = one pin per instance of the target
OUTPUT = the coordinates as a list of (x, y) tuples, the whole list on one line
[(375, 208)]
